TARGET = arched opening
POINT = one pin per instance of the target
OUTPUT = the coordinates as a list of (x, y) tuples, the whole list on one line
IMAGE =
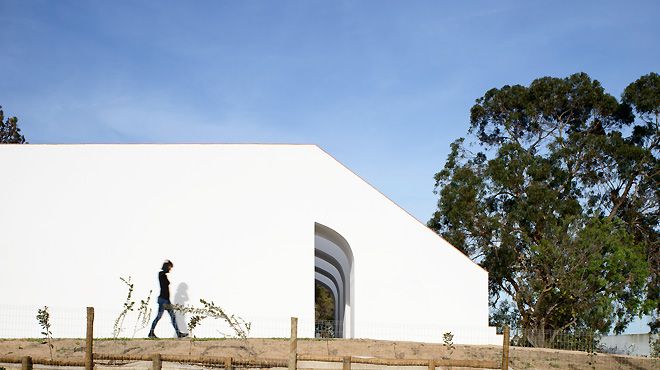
[(333, 267)]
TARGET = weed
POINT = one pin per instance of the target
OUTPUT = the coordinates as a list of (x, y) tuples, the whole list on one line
[(43, 317), (591, 353), (239, 326), (448, 342), (144, 314), (195, 320), (128, 306)]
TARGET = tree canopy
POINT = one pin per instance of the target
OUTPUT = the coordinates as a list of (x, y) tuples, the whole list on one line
[(9, 131), (556, 194)]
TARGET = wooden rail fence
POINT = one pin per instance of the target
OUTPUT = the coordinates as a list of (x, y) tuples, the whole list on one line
[(230, 363)]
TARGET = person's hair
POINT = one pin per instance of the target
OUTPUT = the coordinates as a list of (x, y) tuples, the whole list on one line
[(167, 264)]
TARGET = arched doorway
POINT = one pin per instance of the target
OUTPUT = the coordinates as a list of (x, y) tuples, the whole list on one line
[(333, 267)]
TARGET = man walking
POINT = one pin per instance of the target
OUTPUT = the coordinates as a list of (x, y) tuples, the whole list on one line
[(164, 300)]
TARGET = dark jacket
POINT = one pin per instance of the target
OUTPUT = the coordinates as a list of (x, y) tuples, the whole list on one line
[(164, 285)]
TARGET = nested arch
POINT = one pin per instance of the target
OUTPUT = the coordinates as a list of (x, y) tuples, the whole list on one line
[(333, 267)]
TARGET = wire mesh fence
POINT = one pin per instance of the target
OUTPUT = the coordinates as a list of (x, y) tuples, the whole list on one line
[(328, 329), (67, 322), (268, 338), (582, 340), (588, 341)]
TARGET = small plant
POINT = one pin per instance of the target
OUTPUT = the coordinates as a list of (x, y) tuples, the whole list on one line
[(128, 306), (43, 317), (195, 320), (239, 326), (448, 342), (144, 314), (591, 353)]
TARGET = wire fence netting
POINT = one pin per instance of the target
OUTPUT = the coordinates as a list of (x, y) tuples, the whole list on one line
[(268, 338), (67, 322), (587, 341)]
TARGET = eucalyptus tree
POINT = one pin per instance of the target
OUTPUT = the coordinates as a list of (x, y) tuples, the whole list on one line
[(9, 131), (555, 193)]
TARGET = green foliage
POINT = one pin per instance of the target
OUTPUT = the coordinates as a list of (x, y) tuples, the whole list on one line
[(127, 307), (324, 311), (504, 314), (448, 342), (43, 317), (9, 131), (561, 203), (144, 310), (592, 346), (655, 346), (238, 325), (194, 321), (324, 303), (144, 314), (644, 96)]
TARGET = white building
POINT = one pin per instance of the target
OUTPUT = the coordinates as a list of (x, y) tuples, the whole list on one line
[(251, 227)]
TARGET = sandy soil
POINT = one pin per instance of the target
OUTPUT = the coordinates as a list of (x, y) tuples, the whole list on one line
[(521, 358)]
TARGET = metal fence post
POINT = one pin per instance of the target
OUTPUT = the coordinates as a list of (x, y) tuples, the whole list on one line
[(505, 349), (293, 348), (89, 341), (26, 363)]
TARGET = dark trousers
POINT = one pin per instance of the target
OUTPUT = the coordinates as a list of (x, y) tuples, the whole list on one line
[(164, 304)]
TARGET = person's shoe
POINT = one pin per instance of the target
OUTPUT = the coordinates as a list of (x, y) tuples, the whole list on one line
[(152, 336), (182, 335)]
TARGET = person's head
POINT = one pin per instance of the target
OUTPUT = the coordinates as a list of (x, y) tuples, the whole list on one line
[(167, 265)]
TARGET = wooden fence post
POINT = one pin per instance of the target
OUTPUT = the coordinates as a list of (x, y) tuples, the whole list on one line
[(431, 364), (293, 348), (347, 363), (228, 363), (156, 361), (89, 341), (505, 349), (26, 363)]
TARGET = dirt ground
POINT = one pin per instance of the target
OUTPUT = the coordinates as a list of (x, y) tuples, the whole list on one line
[(521, 358)]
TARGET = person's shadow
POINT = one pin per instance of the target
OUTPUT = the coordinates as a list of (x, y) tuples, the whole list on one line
[(181, 297)]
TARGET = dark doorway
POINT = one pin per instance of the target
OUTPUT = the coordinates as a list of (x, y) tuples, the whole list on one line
[(324, 311)]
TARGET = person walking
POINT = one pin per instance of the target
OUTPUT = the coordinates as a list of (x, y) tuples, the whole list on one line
[(164, 300)]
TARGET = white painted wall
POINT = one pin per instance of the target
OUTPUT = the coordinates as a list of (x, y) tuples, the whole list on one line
[(627, 344), (238, 223)]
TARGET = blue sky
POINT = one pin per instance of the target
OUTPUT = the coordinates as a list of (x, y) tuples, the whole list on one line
[(383, 86)]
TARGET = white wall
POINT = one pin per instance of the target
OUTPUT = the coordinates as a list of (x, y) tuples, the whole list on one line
[(627, 344), (238, 223)]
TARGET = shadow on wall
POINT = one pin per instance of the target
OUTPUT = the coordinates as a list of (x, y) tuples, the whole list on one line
[(181, 297)]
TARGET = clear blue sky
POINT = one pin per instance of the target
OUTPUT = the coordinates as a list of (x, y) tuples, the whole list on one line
[(384, 86)]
